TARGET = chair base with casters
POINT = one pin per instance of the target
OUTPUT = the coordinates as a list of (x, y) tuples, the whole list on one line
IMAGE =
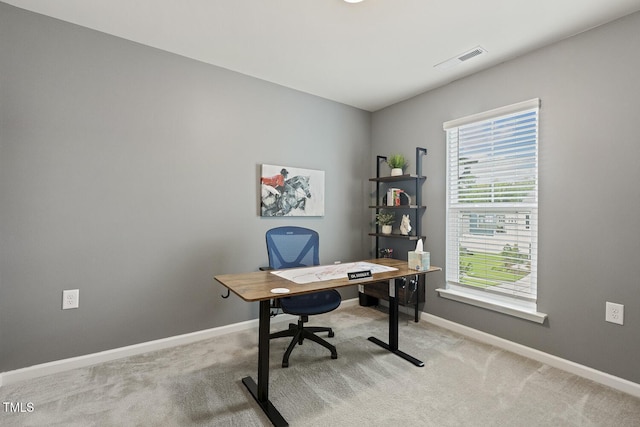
[(325, 301)]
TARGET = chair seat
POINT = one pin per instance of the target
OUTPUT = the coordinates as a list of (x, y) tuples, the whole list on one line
[(309, 304)]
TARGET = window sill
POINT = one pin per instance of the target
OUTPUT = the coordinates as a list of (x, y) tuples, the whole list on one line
[(532, 316)]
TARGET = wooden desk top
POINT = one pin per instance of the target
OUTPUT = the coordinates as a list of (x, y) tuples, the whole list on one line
[(256, 286)]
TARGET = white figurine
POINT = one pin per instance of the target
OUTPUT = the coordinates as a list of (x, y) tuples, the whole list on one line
[(405, 225)]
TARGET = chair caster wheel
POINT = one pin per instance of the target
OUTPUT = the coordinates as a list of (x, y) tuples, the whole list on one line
[(331, 334), (334, 356)]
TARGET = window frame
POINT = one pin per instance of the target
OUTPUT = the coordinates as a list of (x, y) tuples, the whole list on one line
[(489, 215)]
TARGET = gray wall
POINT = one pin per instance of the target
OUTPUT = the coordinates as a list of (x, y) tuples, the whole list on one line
[(131, 174), (589, 236), (118, 177)]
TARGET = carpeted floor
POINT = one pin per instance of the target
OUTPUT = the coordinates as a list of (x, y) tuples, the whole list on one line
[(463, 383)]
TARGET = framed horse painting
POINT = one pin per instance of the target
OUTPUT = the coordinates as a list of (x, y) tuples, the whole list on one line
[(290, 191)]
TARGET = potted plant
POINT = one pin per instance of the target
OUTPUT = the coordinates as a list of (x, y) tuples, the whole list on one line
[(397, 163), (385, 219)]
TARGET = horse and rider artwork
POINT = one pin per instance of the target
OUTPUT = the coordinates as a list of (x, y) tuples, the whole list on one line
[(289, 191)]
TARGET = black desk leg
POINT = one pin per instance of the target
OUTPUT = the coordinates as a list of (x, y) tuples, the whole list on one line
[(393, 329), (416, 314), (260, 391)]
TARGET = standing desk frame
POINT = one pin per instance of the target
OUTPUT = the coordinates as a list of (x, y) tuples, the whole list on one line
[(256, 287)]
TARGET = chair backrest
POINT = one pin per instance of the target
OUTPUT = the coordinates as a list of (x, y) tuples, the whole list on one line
[(290, 247)]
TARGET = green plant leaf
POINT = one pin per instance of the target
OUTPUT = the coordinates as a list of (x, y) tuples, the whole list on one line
[(397, 161)]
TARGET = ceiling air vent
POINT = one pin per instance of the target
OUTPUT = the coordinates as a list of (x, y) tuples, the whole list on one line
[(476, 51)]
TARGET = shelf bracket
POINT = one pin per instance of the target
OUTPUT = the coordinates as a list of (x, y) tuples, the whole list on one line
[(380, 159), (419, 151)]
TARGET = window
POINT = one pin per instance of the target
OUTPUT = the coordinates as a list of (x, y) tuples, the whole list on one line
[(492, 206)]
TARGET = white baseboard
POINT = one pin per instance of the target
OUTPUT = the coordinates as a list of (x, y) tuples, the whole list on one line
[(600, 377), (57, 366), (30, 372)]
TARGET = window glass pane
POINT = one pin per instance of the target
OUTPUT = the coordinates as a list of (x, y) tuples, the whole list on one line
[(492, 205)]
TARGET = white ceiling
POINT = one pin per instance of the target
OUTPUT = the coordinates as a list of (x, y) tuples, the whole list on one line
[(368, 55)]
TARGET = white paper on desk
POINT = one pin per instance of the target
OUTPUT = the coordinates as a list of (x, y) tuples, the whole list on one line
[(419, 247), (328, 272)]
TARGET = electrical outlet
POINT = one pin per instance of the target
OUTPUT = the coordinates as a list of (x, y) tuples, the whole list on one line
[(70, 299), (615, 313)]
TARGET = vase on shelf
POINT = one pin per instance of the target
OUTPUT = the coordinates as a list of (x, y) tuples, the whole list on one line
[(396, 171), (386, 229)]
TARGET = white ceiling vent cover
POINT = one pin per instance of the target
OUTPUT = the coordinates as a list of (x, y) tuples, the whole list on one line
[(476, 51)]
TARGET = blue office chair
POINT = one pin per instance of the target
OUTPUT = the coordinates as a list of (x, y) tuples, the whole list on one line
[(290, 247)]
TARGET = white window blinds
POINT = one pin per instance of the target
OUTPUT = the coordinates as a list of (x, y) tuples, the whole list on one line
[(492, 202)]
